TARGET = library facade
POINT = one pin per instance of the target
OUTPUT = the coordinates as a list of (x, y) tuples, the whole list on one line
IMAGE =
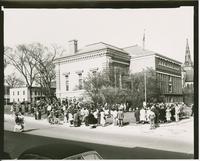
[(73, 67)]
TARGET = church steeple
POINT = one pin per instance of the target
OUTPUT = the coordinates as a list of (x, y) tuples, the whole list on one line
[(188, 61)]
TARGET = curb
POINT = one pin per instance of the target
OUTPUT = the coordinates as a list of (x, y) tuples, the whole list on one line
[(172, 130)]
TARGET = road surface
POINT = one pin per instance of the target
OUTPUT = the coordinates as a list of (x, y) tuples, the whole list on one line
[(16, 143), (109, 145)]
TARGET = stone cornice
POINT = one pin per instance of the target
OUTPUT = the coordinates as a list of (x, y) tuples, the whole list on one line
[(118, 55), (158, 56), (168, 59), (89, 55), (84, 56)]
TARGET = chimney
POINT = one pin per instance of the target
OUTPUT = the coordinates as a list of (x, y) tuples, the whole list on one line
[(73, 46)]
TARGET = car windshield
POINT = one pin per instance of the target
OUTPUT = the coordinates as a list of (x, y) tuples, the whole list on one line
[(91, 156), (85, 156)]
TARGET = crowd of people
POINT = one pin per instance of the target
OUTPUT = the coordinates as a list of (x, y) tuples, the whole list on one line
[(77, 113), (161, 113)]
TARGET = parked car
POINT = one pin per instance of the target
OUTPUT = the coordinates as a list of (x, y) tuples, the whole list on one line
[(60, 151)]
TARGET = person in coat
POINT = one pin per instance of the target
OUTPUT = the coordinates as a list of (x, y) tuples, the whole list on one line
[(162, 116), (168, 114), (152, 116), (70, 118), (142, 115), (114, 116), (137, 115), (177, 112), (120, 117), (102, 118), (76, 119), (155, 110)]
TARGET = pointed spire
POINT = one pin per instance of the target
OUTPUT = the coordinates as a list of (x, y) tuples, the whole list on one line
[(188, 61), (143, 40)]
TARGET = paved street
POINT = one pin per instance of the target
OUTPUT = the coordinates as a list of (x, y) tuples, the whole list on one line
[(171, 138), (16, 143)]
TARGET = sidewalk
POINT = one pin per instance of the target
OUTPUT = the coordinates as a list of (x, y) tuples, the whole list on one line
[(179, 131)]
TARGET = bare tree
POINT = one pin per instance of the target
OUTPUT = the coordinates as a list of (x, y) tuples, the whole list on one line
[(22, 60), (45, 56), (13, 81), (7, 50)]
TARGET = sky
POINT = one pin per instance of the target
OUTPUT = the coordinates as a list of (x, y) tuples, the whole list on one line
[(166, 30)]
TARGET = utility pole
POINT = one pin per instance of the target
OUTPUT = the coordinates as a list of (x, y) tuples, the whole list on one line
[(145, 86)]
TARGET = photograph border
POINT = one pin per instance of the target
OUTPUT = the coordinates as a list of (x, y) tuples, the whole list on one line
[(63, 4)]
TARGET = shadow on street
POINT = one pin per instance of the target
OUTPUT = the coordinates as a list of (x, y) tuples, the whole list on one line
[(16, 143)]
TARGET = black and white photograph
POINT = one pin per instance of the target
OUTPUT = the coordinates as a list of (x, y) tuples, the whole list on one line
[(99, 83)]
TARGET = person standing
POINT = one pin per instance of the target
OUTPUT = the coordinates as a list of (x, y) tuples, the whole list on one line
[(82, 114), (162, 114), (168, 114), (177, 112), (12, 110), (102, 118), (39, 113), (120, 117), (17, 126), (107, 112), (152, 119), (51, 117), (137, 115), (32, 109), (148, 110), (36, 113), (86, 113), (70, 118), (114, 115), (142, 115), (172, 107), (76, 118), (23, 108), (155, 110), (21, 116), (98, 117), (48, 109), (95, 113)]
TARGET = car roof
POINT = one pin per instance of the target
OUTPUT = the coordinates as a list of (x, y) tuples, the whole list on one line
[(57, 150)]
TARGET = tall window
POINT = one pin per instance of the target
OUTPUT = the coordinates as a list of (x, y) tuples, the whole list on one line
[(170, 84), (17, 92), (23, 92), (67, 82), (170, 79), (170, 88), (80, 80)]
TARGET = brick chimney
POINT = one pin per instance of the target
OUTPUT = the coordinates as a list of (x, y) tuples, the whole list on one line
[(73, 46)]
